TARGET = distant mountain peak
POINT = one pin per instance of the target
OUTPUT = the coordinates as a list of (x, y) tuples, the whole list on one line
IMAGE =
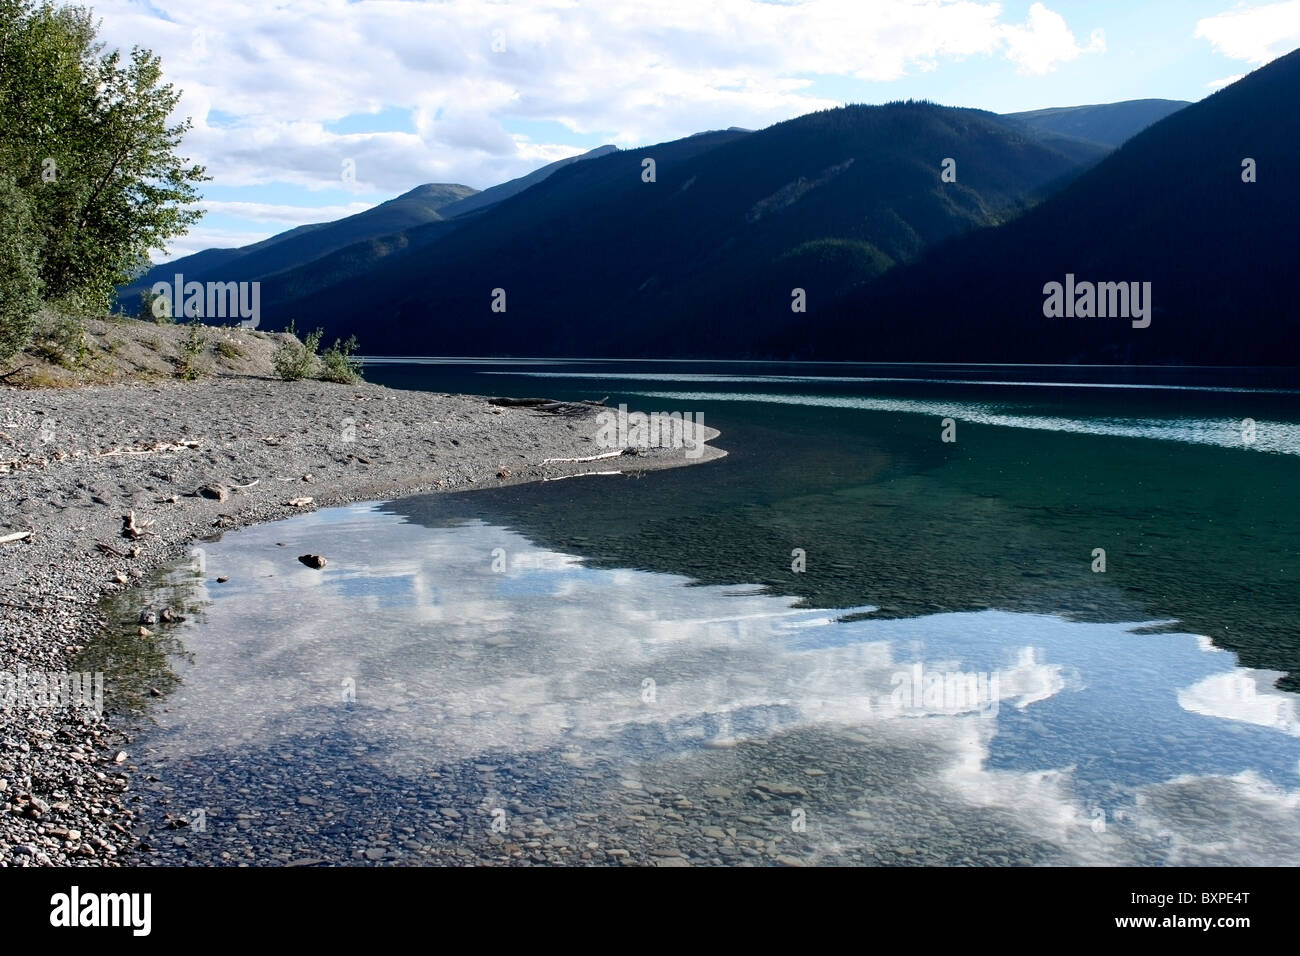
[(1110, 124)]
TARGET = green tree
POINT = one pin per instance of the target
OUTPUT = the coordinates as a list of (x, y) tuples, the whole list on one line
[(20, 283), (87, 137)]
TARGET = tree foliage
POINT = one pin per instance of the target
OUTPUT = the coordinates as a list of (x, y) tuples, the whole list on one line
[(20, 282), (86, 138)]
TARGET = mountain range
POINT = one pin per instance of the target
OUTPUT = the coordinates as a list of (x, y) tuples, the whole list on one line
[(876, 221), (430, 203), (1172, 207)]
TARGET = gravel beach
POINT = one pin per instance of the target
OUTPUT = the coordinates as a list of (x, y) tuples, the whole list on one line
[(113, 481)]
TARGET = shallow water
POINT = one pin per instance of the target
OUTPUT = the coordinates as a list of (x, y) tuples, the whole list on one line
[(619, 669)]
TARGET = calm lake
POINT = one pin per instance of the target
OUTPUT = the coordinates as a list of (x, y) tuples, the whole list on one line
[(1068, 635)]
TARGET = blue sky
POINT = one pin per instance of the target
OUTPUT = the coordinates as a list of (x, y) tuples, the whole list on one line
[(308, 110)]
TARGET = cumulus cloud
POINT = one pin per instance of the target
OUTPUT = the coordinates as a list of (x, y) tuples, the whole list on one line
[(265, 82), (1256, 34), (288, 215), (480, 91), (1046, 40)]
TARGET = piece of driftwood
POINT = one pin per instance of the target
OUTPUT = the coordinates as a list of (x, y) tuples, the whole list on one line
[(22, 607), (133, 529), (551, 405), (49, 597), (608, 454), (10, 374), (520, 402), (153, 449), (15, 536), (107, 549)]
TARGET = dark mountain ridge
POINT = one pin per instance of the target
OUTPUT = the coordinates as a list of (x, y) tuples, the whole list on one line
[(595, 260), (1169, 208)]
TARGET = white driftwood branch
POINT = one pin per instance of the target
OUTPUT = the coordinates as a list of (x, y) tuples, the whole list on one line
[(608, 454)]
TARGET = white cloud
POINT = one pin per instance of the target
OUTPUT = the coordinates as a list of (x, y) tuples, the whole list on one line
[(1246, 696), (1255, 34), (209, 238), (1225, 81), (635, 71), (287, 215), (1046, 40)]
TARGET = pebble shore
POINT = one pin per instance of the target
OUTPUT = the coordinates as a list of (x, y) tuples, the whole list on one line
[(102, 485)]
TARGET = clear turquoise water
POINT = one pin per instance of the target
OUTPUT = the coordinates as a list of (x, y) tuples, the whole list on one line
[(947, 680)]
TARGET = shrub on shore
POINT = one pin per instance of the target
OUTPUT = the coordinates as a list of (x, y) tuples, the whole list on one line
[(339, 363), (155, 308), (228, 350), (296, 360), (188, 366), (63, 340)]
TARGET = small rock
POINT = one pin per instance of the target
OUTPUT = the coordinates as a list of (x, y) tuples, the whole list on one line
[(299, 502), (308, 802), (148, 617), (222, 580), (312, 560), (170, 617), (782, 789), (215, 492), (120, 757)]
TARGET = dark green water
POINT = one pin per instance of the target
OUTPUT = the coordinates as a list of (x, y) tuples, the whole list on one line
[(612, 648)]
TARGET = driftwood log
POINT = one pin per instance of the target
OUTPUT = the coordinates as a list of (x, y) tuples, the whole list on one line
[(550, 405)]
